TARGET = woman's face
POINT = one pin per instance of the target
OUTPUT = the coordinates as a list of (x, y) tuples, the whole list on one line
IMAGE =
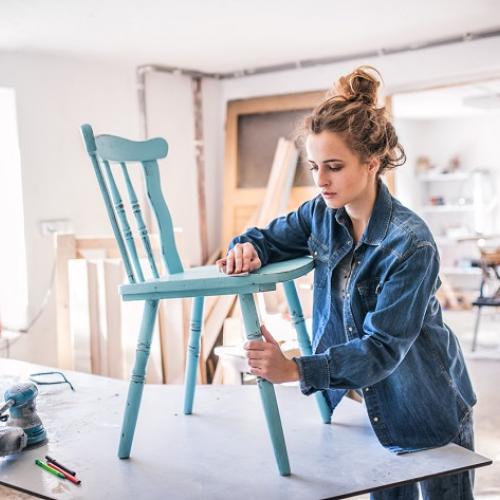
[(337, 171)]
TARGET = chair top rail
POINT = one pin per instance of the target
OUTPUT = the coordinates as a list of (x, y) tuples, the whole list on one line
[(118, 149)]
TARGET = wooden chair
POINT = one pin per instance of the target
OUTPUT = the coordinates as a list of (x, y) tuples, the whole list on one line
[(490, 278), (196, 282)]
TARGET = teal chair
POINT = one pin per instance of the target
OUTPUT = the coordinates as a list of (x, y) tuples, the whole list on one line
[(197, 282)]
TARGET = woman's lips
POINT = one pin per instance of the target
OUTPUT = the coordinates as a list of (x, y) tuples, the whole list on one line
[(328, 195)]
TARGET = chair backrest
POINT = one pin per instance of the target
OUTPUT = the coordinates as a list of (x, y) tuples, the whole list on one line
[(105, 150)]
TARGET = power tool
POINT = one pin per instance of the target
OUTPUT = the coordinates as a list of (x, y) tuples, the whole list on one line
[(23, 426)]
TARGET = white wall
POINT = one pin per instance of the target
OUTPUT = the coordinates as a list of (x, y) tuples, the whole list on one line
[(13, 276), (170, 115), (54, 96)]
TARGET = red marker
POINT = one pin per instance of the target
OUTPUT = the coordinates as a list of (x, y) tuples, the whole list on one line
[(73, 479)]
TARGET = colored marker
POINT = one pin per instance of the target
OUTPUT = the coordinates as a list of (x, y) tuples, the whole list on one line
[(68, 476), (46, 467), (61, 466)]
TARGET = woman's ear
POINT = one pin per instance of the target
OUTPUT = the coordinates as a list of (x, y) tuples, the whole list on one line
[(373, 165)]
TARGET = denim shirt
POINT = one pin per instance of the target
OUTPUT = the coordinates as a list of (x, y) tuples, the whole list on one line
[(392, 343)]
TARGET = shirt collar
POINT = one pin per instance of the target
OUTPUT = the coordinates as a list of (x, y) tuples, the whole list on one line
[(379, 220)]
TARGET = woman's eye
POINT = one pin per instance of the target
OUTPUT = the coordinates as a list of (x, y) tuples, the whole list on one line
[(334, 168), (313, 167)]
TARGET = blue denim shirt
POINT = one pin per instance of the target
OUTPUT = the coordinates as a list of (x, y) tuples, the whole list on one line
[(392, 343)]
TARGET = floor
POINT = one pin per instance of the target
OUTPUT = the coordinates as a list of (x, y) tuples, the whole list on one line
[(484, 368)]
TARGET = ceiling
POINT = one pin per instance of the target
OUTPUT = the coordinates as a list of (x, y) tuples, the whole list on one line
[(229, 35)]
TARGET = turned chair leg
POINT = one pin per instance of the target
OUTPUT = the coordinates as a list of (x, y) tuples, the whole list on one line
[(266, 389), (193, 354), (136, 385), (304, 341)]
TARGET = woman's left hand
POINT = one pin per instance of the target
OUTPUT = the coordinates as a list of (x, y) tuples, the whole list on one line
[(268, 361)]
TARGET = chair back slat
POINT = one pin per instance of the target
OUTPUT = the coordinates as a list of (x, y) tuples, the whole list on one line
[(141, 226), (122, 218), (104, 149), (170, 255), (88, 137)]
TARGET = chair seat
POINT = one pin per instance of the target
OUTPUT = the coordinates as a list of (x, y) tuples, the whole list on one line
[(208, 280), (487, 301)]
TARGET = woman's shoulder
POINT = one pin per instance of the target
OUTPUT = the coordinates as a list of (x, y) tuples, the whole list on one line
[(409, 228)]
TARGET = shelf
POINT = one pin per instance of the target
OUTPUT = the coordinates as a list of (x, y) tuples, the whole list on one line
[(447, 208), (458, 176)]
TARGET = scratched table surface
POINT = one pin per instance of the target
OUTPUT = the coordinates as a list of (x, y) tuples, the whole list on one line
[(221, 451)]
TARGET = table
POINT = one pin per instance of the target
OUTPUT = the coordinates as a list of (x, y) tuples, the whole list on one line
[(221, 451)]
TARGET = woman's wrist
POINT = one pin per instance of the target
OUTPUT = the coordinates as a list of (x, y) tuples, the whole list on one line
[(294, 374)]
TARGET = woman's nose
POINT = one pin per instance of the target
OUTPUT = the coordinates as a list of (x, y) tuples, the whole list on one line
[(322, 178)]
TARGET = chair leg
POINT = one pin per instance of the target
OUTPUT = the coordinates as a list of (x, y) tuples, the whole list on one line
[(304, 342), (476, 329), (266, 389), (136, 385), (193, 354)]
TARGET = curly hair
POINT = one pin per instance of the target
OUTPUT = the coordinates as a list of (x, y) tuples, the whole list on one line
[(350, 109)]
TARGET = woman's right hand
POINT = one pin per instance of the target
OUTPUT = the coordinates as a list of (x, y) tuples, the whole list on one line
[(242, 258)]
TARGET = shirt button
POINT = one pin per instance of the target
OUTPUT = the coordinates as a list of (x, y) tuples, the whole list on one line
[(315, 253), (375, 419), (347, 295), (350, 328), (367, 389)]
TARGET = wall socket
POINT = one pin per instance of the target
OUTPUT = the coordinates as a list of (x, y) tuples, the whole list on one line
[(51, 226)]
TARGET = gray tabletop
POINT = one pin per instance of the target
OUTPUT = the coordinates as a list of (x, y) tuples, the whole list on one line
[(221, 451)]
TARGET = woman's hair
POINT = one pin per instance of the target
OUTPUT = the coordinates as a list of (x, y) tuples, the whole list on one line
[(350, 109)]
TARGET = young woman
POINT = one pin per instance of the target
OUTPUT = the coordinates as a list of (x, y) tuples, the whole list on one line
[(377, 325)]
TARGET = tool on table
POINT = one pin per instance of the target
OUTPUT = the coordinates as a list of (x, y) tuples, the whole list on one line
[(23, 427)]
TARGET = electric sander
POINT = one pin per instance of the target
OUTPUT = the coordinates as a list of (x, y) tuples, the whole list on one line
[(23, 426)]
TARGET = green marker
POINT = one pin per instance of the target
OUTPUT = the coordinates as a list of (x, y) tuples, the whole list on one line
[(48, 468)]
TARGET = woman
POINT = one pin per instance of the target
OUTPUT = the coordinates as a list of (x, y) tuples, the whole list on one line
[(377, 325)]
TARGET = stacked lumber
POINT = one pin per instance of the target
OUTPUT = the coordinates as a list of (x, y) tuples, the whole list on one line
[(97, 332)]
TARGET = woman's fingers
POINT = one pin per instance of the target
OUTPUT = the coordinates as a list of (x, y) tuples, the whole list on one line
[(242, 258), (221, 265), (267, 335)]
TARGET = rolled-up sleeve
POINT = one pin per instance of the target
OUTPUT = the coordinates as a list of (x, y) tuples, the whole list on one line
[(388, 331)]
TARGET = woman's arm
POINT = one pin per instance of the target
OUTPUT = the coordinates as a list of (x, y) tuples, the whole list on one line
[(284, 238), (389, 330)]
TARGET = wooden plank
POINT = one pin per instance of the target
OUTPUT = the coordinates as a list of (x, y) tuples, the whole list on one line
[(109, 277), (83, 324), (65, 248), (214, 322), (280, 182), (172, 332)]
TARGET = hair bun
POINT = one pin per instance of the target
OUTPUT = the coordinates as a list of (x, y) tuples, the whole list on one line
[(360, 85)]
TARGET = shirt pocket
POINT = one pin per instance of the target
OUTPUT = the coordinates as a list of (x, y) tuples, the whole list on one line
[(321, 255), (369, 290)]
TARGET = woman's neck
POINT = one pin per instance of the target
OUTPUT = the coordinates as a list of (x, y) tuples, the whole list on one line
[(360, 210)]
